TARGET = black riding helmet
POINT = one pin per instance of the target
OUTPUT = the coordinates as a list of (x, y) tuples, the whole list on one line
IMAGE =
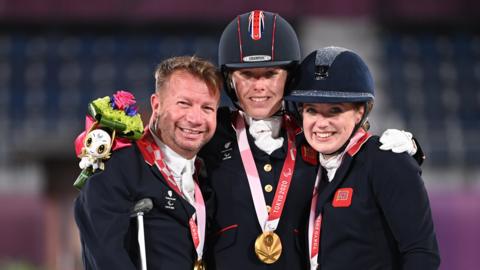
[(257, 39)]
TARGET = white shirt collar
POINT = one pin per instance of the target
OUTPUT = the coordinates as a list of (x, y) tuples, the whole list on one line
[(331, 164), (174, 161)]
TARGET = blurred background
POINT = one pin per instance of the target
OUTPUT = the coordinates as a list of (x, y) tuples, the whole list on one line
[(57, 55)]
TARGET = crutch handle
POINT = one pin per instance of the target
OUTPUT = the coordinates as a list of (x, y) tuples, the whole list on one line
[(142, 206), (139, 209)]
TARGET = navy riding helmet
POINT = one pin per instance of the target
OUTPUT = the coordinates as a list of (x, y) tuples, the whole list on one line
[(332, 75)]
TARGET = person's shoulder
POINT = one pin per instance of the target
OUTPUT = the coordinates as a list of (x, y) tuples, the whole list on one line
[(224, 133), (224, 123), (224, 116), (386, 159), (390, 172), (120, 170), (124, 160), (372, 144), (224, 110), (125, 153), (372, 147)]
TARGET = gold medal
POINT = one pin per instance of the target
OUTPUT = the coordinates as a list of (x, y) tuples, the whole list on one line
[(198, 265), (268, 247)]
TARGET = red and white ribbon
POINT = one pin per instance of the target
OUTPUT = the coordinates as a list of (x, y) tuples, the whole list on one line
[(314, 226), (268, 221), (198, 220)]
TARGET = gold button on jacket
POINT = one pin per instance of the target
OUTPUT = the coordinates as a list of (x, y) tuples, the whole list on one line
[(267, 167)]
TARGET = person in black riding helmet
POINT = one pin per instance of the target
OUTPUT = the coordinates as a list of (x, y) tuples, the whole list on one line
[(258, 163), (262, 185)]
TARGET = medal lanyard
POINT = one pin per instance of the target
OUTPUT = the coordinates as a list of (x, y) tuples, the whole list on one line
[(197, 231), (314, 225), (267, 221)]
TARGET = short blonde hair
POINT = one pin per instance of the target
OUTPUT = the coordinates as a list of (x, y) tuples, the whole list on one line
[(198, 67)]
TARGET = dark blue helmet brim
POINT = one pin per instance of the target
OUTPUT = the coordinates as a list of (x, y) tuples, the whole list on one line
[(319, 96), (260, 64)]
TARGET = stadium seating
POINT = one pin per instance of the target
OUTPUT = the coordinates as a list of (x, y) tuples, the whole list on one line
[(47, 79), (433, 82)]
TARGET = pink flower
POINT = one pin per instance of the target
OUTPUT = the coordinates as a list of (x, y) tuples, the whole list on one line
[(123, 99)]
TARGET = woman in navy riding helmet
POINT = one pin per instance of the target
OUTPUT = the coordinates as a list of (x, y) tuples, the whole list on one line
[(370, 209)]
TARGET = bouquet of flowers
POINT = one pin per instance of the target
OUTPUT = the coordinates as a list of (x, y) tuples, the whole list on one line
[(111, 123)]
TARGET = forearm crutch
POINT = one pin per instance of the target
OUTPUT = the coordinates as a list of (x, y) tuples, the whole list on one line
[(140, 208)]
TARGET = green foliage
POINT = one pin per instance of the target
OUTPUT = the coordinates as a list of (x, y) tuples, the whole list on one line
[(128, 126)]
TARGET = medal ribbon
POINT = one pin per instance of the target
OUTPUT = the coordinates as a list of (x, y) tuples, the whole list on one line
[(315, 224), (197, 231), (268, 221)]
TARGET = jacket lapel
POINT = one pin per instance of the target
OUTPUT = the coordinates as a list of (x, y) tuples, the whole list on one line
[(144, 145), (186, 206), (341, 173), (330, 188)]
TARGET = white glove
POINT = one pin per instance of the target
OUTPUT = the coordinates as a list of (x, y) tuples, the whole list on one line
[(398, 141)]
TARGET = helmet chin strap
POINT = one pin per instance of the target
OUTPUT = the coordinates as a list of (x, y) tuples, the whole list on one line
[(232, 91), (233, 95), (281, 111)]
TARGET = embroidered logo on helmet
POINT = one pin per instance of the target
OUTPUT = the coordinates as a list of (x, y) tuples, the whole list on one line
[(256, 24)]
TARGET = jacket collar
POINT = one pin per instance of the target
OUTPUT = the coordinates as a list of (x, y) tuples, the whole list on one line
[(341, 172), (145, 146)]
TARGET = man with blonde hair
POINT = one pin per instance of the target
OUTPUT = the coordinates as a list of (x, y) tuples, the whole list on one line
[(159, 166)]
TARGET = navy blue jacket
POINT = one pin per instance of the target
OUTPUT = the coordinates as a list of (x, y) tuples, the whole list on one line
[(388, 224), (234, 219), (109, 235)]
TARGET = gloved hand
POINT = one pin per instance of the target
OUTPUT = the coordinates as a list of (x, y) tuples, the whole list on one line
[(398, 141)]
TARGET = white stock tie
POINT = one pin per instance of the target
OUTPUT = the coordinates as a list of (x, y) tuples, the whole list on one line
[(265, 132), (188, 187)]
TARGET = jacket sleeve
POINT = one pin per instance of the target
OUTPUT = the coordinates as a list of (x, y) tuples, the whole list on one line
[(401, 195), (103, 219)]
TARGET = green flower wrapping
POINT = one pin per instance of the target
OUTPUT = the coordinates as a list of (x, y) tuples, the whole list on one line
[(130, 127)]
